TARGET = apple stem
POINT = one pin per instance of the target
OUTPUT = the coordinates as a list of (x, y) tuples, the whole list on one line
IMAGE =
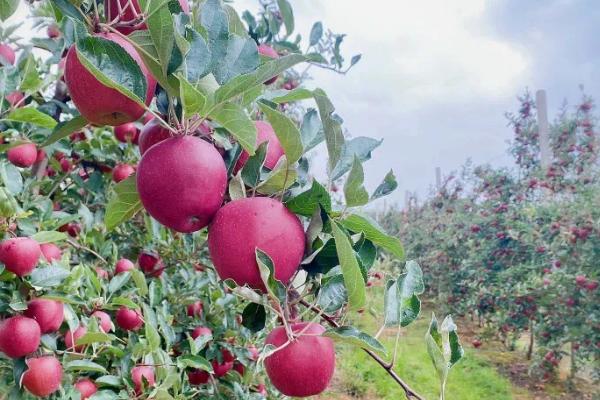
[(410, 393)]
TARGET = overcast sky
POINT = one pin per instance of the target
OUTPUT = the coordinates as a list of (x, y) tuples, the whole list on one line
[(437, 76)]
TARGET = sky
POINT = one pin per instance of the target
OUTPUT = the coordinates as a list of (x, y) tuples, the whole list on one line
[(437, 76)]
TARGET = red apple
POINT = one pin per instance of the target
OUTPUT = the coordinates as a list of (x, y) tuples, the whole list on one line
[(201, 331), (142, 376), (126, 133), (52, 31), (19, 336), (244, 225), (181, 182), (194, 309), (50, 252), (198, 377), (152, 132), (151, 264), (254, 354), (43, 375), (49, 314), (304, 367), (86, 387), (15, 99), (65, 165), (239, 368), (71, 339), (261, 389), (123, 265), (121, 172), (130, 11), (264, 133), (104, 320), (221, 369), (128, 319), (101, 272), (7, 54), (476, 343), (23, 155), (100, 104), (268, 51), (20, 255)]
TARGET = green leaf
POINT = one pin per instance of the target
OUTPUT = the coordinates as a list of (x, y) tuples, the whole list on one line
[(113, 66), (311, 130), (236, 26), (8, 8), (11, 177), (240, 56), (118, 281), (269, 69), (123, 301), (31, 79), (150, 331), (288, 15), (234, 118), (196, 63), (293, 95), (68, 9), (192, 100), (124, 204), (108, 380), (160, 26), (353, 336), (386, 187), (48, 236), (286, 131), (84, 365), (32, 116), (94, 337), (140, 281), (280, 178), (267, 271), (402, 304), (360, 147), (254, 317), (443, 347), (332, 127), (373, 232), (64, 129), (333, 294), (354, 191), (48, 276), (191, 361), (237, 188), (250, 174), (355, 285), (307, 202), (316, 33)]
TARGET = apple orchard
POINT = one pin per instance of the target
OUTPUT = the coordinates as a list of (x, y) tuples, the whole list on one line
[(163, 236)]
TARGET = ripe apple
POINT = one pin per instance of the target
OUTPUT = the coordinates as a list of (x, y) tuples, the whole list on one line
[(121, 172), (198, 377), (126, 133), (49, 314), (261, 389), (264, 133), (123, 265), (181, 182), (23, 155), (243, 225), (580, 280), (52, 31), (100, 104), (129, 320), (201, 331), (130, 10), (268, 51), (20, 255), (221, 369), (304, 367), (51, 252), (15, 99), (43, 375), (254, 354), (151, 264), (142, 376), (239, 368), (104, 321), (7, 54), (476, 343), (195, 309), (19, 336), (152, 132), (86, 387), (71, 339)]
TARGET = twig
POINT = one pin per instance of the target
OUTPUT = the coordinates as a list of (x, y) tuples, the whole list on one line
[(410, 393), (81, 247)]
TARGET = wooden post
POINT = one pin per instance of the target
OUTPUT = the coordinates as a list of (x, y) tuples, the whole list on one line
[(543, 128), (438, 178)]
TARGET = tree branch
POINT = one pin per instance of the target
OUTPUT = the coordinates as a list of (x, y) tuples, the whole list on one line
[(408, 391)]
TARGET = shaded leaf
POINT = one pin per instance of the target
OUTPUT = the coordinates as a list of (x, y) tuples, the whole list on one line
[(353, 279), (373, 232), (351, 335), (124, 204)]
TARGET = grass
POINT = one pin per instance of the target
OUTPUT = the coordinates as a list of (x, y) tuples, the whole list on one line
[(358, 376)]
